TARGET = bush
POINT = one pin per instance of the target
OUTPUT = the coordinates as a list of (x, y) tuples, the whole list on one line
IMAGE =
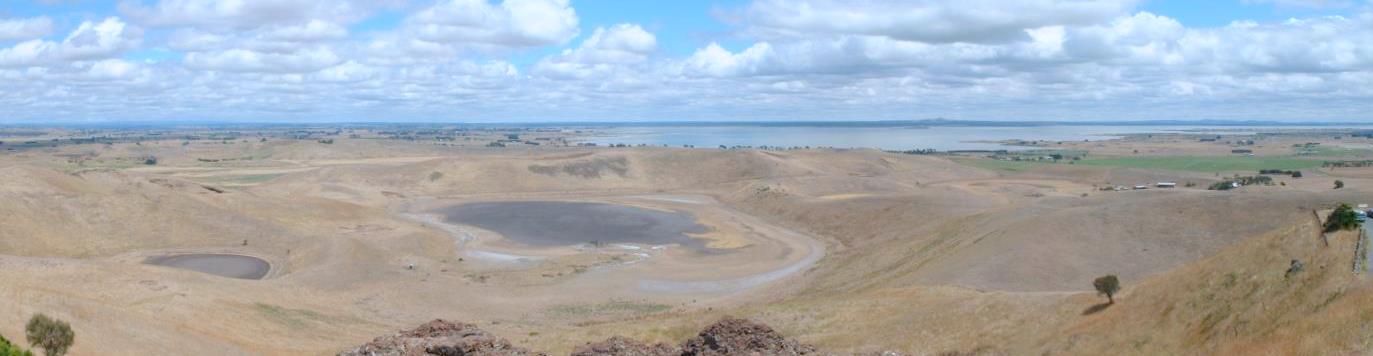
[(52, 335), (8, 349), (1343, 218), (151, 161), (1339, 184)]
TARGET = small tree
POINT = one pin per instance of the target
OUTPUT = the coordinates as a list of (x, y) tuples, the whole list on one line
[(52, 335), (1339, 184), (1343, 218), (1107, 285)]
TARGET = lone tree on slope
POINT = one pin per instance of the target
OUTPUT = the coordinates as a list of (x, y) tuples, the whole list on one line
[(1107, 285), (52, 335)]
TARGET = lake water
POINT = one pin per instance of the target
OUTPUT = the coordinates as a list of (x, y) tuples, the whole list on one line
[(942, 138), (232, 266)]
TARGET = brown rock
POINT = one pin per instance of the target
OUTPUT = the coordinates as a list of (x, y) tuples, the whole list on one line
[(731, 336), (727, 337), (623, 346), (439, 337)]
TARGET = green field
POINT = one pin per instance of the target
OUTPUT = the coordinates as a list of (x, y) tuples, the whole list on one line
[(999, 165), (1329, 151), (1206, 163)]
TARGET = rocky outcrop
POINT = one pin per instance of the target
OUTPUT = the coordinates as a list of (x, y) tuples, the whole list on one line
[(623, 346), (439, 337), (726, 337), (742, 337)]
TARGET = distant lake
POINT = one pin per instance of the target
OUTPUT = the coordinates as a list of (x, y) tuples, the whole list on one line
[(942, 138)]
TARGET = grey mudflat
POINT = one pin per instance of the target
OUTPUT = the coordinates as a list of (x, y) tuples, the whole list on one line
[(546, 223)]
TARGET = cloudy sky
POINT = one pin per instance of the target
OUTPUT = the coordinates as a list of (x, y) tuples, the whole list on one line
[(614, 60)]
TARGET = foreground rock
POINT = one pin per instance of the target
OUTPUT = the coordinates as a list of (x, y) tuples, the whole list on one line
[(742, 337), (729, 336), (439, 337), (623, 346)]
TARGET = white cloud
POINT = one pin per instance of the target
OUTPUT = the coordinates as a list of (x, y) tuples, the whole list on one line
[(193, 40), (246, 14), (932, 21), (347, 72), (22, 29), (312, 31), (455, 59), (244, 60), (620, 41), (93, 40), (90, 40), (605, 51), (114, 69), (1307, 3), (26, 53), (1326, 44), (512, 23), (715, 61)]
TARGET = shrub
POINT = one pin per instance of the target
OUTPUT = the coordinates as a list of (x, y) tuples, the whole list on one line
[(52, 335), (8, 349), (1339, 184)]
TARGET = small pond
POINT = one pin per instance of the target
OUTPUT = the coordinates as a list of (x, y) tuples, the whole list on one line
[(227, 265)]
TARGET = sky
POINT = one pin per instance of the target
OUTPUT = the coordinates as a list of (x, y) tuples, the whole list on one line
[(735, 60)]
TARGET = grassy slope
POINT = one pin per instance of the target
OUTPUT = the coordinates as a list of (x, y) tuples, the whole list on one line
[(1239, 301)]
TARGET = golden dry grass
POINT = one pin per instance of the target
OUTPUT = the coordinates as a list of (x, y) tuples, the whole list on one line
[(924, 255)]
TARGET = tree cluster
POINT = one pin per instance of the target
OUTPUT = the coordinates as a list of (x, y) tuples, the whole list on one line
[(1343, 218)]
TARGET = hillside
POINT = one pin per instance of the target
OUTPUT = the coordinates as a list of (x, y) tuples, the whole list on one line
[(846, 250)]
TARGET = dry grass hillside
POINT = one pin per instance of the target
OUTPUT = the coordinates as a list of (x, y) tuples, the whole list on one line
[(919, 254), (50, 213), (1242, 301)]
